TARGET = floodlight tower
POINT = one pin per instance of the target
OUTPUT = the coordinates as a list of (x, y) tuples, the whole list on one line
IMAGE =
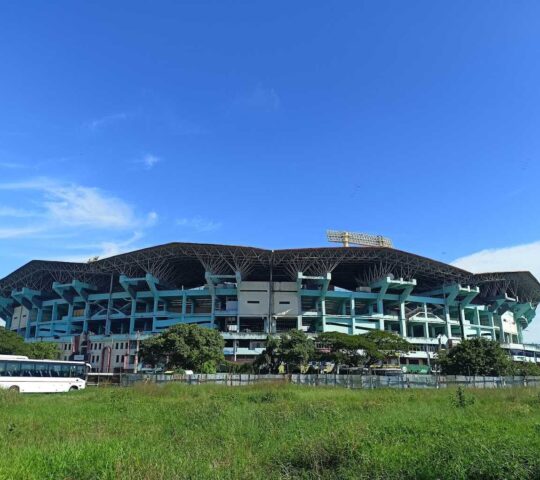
[(362, 239)]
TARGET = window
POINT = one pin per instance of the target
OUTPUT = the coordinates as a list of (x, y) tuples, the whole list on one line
[(117, 358), (284, 303), (10, 369), (253, 301), (116, 346)]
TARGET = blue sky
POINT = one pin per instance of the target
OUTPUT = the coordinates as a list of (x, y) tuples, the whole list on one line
[(127, 124)]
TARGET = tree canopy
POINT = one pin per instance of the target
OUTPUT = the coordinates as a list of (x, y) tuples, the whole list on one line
[(296, 349), (185, 346), (293, 348), (13, 344), (361, 350), (475, 356), (386, 345), (343, 349)]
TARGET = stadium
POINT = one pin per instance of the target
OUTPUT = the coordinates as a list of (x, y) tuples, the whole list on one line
[(99, 311)]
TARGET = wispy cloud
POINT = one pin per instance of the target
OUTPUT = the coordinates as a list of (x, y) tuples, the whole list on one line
[(149, 161), (75, 205), (198, 224), (12, 165), (260, 98), (22, 232), (102, 249), (107, 120), (45, 218)]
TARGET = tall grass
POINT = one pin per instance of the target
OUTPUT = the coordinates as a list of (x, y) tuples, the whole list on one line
[(213, 432)]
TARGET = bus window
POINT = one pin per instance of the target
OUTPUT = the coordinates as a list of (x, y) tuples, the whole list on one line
[(42, 370), (27, 369), (12, 369), (55, 370), (80, 371), (2, 367)]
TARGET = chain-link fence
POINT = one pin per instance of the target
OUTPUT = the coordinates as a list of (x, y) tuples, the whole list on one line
[(344, 381)]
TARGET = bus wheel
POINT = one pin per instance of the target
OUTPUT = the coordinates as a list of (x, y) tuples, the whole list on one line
[(73, 388), (14, 388)]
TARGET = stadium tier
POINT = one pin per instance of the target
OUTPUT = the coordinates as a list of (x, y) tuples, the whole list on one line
[(101, 310)]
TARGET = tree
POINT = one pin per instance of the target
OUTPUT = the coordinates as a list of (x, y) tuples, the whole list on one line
[(386, 345), (185, 346), (475, 356), (294, 348), (361, 350), (343, 349), (43, 350), (13, 344)]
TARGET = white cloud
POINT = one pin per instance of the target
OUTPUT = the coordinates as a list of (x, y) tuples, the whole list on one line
[(508, 259), (102, 249), (149, 161), (75, 205), (198, 224), (21, 232), (260, 98), (79, 206), (518, 257), (12, 165), (106, 120)]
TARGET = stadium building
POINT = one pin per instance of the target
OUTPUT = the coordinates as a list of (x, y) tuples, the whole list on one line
[(101, 310)]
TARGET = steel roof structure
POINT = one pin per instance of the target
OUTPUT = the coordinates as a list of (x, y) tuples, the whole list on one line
[(183, 265)]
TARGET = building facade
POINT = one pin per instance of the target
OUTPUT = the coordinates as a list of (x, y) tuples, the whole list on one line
[(101, 311)]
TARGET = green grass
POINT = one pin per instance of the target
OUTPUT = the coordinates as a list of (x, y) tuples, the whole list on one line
[(199, 432)]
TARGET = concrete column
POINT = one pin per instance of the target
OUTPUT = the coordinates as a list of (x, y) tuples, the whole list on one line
[(70, 317), (38, 321), (447, 319), (353, 316), (154, 313), (132, 316), (402, 320), (86, 316), (184, 306), (323, 314)]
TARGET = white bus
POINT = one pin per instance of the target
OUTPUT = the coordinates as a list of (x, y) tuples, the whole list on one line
[(26, 375)]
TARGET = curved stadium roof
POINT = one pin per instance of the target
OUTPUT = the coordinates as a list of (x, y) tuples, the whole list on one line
[(184, 264)]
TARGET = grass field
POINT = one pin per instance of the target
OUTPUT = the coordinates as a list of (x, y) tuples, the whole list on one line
[(199, 432)]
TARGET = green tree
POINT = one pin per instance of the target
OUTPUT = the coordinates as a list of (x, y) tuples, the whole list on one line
[(185, 346), (294, 348), (43, 350), (386, 345), (475, 356), (524, 368), (12, 343), (297, 348), (343, 349)]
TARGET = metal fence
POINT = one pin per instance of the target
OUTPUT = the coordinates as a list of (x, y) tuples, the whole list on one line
[(344, 381)]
